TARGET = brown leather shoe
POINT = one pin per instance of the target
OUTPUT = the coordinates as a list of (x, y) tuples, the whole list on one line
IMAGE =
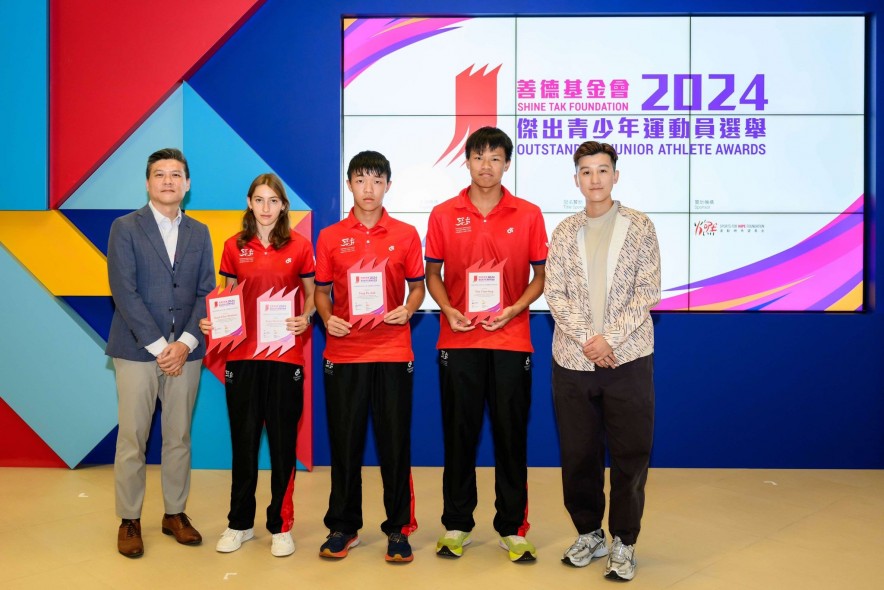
[(179, 526), (129, 541)]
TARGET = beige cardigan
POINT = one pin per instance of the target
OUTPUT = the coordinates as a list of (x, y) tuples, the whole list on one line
[(633, 288)]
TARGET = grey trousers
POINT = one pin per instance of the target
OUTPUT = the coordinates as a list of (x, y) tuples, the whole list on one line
[(139, 385)]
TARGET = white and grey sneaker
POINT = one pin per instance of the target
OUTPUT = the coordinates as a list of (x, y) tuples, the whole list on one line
[(585, 548), (282, 544), (621, 561), (232, 539)]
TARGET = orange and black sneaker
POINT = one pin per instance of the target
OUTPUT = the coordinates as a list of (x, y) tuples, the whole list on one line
[(398, 549), (337, 544)]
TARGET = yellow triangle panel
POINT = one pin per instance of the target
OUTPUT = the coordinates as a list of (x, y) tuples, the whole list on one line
[(55, 252)]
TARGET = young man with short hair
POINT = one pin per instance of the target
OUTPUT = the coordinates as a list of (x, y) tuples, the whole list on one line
[(603, 278), (488, 241), (365, 261)]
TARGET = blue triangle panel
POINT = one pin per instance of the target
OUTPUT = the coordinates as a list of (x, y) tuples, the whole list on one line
[(104, 452), (222, 164), (265, 82), (97, 311), (95, 223), (119, 181)]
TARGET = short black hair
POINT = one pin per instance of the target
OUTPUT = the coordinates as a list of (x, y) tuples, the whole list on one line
[(167, 154), (369, 161), (489, 138)]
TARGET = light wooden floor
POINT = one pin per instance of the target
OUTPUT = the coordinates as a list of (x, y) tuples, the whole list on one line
[(703, 529)]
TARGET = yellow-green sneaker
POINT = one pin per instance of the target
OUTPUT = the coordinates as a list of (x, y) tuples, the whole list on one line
[(451, 544), (519, 548)]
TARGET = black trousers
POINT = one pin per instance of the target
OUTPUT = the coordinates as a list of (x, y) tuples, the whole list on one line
[(613, 406), (263, 394), (352, 391), (470, 378)]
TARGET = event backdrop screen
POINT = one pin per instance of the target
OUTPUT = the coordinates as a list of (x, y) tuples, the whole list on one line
[(741, 137)]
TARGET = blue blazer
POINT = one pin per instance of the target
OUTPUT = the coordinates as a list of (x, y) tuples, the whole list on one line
[(150, 295)]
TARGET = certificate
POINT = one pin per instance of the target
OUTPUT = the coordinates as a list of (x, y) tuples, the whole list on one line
[(484, 290), (224, 309), (273, 311), (368, 301)]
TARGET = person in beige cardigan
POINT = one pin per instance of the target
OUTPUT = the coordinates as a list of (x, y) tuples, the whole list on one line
[(602, 279)]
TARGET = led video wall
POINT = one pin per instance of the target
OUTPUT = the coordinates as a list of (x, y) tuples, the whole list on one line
[(741, 137)]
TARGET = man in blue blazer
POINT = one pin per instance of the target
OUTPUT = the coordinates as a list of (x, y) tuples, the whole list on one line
[(160, 267)]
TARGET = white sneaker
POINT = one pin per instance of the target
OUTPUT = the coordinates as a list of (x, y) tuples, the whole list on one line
[(585, 548), (232, 539), (621, 561), (282, 544)]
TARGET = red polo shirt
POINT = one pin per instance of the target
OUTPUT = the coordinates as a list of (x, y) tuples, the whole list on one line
[(344, 244), (459, 236), (262, 269)]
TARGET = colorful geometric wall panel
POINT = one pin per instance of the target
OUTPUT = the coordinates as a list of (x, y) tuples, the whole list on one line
[(19, 444), (110, 66), (119, 181), (222, 225), (73, 405), (57, 254), (94, 223), (23, 104), (222, 164), (210, 432), (97, 312)]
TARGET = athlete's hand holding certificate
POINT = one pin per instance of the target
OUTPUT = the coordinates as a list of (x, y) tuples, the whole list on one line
[(224, 318), (368, 299), (484, 284), (273, 311)]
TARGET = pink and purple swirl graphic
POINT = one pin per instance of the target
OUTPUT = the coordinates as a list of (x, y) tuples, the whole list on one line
[(367, 40), (823, 272)]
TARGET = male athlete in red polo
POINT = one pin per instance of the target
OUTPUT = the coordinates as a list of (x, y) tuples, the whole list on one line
[(486, 357), (366, 260)]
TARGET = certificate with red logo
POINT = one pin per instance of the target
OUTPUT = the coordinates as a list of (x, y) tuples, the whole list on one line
[(273, 311), (484, 288), (367, 281), (225, 310)]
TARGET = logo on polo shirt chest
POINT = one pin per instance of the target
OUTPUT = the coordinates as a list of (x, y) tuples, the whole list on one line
[(462, 225), (246, 255), (348, 245)]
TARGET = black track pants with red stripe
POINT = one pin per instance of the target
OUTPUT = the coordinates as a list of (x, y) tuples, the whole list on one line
[(352, 391), (263, 394), (470, 378)]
